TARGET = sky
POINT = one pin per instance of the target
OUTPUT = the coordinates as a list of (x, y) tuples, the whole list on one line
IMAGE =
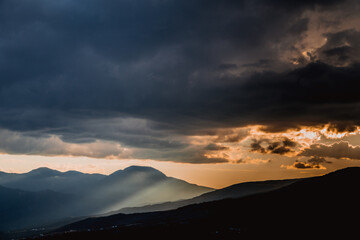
[(212, 92)]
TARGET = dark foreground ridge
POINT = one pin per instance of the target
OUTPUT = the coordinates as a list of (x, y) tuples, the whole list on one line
[(318, 207), (233, 191)]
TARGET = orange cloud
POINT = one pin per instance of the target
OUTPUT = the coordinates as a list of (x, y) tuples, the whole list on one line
[(337, 150)]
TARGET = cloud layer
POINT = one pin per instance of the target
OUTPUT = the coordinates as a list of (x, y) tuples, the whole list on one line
[(336, 150), (312, 163), (147, 75), (269, 146)]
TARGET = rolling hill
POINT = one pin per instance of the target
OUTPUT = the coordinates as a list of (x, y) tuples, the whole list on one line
[(233, 191), (318, 207)]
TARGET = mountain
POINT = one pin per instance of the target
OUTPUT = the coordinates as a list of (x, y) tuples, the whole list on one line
[(73, 194), (137, 186), (133, 186), (23, 209), (48, 179), (315, 208), (233, 191)]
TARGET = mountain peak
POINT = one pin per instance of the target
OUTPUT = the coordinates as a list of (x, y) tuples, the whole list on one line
[(43, 171), (143, 169), (138, 170)]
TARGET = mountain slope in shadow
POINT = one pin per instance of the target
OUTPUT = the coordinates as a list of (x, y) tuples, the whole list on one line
[(138, 186), (23, 208), (233, 191), (318, 207), (90, 194)]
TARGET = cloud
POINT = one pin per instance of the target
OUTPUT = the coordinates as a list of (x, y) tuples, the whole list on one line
[(232, 135), (276, 147), (341, 127), (312, 163), (341, 49), (148, 74), (317, 160), (304, 165), (256, 146), (17, 143), (192, 154), (249, 160), (336, 150), (215, 147), (309, 96)]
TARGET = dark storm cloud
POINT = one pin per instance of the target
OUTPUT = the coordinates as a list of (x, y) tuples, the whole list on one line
[(183, 67), (301, 3), (341, 127), (313, 95), (342, 48), (129, 58), (276, 147)]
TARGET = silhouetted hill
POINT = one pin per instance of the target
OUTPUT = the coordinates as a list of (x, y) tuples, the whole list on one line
[(233, 191), (312, 208)]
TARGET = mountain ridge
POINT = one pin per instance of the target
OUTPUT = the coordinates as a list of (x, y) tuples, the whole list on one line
[(233, 191), (89, 194), (329, 202)]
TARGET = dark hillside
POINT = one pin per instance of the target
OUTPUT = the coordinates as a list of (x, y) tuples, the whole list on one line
[(318, 207)]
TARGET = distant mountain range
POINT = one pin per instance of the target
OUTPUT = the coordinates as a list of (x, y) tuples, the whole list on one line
[(310, 208), (44, 196), (48, 179)]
